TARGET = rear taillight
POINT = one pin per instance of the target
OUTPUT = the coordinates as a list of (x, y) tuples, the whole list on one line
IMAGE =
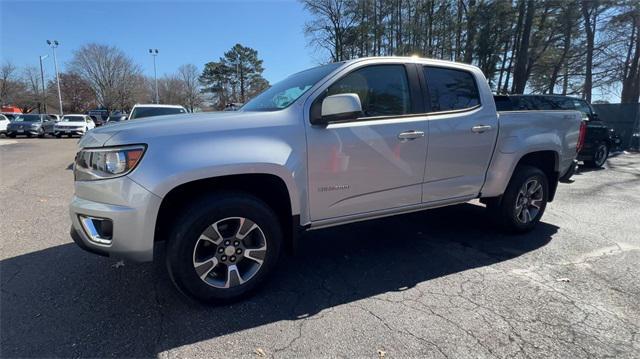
[(581, 135)]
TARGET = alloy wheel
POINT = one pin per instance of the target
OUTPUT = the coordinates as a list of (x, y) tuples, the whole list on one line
[(529, 201), (229, 252)]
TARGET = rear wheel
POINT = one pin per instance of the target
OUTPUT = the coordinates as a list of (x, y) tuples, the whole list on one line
[(524, 200), (599, 157), (223, 247)]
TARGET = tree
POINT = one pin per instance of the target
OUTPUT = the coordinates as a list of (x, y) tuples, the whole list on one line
[(331, 26), (7, 82), (589, 16), (111, 74), (192, 96), (630, 20), (76, 92), (236, 77)]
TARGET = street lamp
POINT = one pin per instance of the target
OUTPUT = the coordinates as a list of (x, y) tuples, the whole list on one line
[(44, 96), (154, 53), (53, 44)]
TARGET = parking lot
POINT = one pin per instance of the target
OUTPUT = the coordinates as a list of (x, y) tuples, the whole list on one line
[(443, 283)]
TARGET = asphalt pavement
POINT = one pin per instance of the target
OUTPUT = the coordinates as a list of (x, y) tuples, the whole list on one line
[(441, 283)]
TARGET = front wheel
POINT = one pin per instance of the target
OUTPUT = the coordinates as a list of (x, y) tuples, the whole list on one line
[(599, 157), (223, 247), (524, 200)]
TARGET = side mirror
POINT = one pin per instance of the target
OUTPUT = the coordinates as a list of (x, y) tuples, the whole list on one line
[(340, 107)]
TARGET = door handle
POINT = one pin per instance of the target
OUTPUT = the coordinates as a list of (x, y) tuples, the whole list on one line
[(480, 128), (410, 135)]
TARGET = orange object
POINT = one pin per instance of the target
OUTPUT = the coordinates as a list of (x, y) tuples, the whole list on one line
[(11, 109)]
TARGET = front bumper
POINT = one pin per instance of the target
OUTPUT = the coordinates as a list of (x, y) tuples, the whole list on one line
[(132, 209), (68, 131), (25, 131)]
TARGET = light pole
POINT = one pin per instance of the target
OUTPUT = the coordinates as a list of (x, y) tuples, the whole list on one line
[(154, 53), (53, 44), (44, 96)]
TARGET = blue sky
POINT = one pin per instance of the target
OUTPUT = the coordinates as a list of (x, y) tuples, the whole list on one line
[(184, 32)]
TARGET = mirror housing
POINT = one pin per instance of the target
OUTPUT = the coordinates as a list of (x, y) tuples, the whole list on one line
[(339, 107)]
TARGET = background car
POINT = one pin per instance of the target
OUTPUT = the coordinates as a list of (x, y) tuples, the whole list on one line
[(50, 122), (151, 110), (4, 122), (113, 119), (28, 125), (598, 141), (10, 115), (73, 124)]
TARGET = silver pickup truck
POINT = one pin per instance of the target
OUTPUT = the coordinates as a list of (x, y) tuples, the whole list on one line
[(344, 142)]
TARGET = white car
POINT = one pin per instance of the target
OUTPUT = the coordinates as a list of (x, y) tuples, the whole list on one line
[(4, 121), (73, 125), (151, 110)]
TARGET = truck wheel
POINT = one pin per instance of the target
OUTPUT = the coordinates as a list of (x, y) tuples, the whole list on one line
[(599, 156), (223, 246), (524, 200)]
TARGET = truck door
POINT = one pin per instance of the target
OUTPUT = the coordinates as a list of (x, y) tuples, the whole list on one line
[(462, 133), (376, 161)]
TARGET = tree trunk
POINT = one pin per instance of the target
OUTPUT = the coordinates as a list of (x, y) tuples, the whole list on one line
[(471, 32), (589, 9), (522, 57), (631, 82)]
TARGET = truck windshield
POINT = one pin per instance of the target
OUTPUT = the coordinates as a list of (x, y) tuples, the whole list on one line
[(285, 92)]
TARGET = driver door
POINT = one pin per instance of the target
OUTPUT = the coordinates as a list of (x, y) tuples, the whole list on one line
[(374, 162)]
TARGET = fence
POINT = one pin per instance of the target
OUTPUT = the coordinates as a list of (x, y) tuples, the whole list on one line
[(623, 117)]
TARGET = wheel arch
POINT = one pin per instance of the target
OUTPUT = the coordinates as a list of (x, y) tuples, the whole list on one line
[(269, 188), (548, 161)]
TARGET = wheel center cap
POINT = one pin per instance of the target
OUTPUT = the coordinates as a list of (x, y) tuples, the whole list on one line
[(230, 250)]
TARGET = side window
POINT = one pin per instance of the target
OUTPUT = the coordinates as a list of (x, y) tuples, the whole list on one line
[(383, 89), (450, 89)]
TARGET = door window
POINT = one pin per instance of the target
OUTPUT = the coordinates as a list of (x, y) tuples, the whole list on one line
[(383, 89), (450, 89)]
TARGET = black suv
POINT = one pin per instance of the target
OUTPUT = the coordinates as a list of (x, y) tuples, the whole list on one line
[(598, 140)]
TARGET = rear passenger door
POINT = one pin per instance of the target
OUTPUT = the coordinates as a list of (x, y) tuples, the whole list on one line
[(462, 134)]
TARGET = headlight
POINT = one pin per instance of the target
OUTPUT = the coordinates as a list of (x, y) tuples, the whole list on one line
[(102, 163)]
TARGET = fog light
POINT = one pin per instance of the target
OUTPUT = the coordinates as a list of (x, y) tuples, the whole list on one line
[(99, 230)]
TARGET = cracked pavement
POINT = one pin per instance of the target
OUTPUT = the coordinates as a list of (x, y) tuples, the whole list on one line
[(439, 284)]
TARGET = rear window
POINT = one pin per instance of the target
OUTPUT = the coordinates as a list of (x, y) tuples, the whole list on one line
[(450, 89), (140, 112)]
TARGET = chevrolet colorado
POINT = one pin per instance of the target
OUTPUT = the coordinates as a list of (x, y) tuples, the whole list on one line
[(339, 143)]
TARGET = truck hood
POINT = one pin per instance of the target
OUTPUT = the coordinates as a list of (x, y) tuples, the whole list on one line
[(150, 129)]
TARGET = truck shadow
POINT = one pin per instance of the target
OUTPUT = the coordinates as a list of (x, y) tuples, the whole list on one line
[(63, 302)]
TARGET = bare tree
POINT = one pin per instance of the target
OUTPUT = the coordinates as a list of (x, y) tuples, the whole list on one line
[(7, 82), (192, 95), (111, 73)]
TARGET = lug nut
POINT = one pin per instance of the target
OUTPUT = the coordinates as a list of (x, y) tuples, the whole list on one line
[(226, 243), (220, 250), (233, 258), (238, 251), (224, 258), (236, 243)]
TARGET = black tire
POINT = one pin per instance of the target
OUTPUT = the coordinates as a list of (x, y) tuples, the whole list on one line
[(201, 214), (13, 135), (505, 210), (599, 156), (41, 133), (58, 135)]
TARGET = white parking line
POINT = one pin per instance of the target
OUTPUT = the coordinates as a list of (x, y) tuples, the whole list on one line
[(7, 142)]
